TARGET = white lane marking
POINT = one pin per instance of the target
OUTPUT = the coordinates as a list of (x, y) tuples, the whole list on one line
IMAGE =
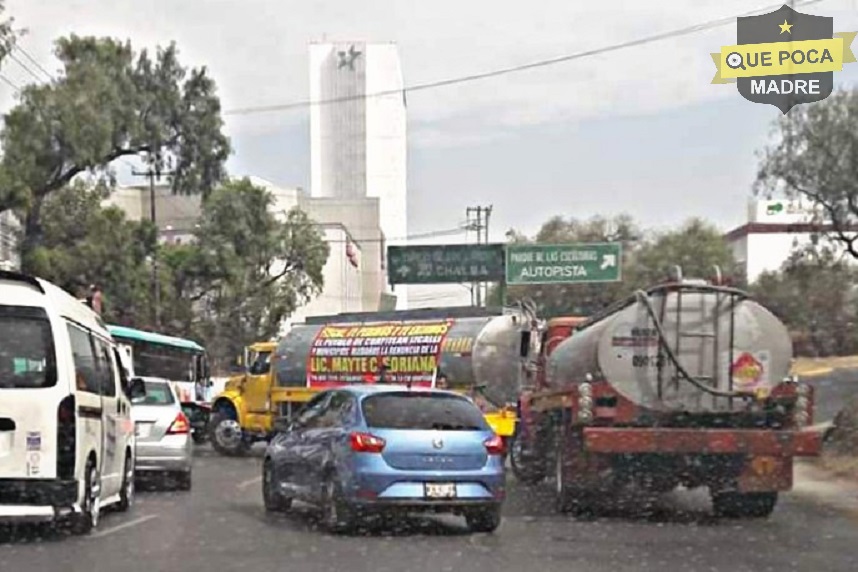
[(123, 526), (247, 483)]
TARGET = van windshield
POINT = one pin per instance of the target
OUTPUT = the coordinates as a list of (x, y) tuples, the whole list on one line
[(27, 359)]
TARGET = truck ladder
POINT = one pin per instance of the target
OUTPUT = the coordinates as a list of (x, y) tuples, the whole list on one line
[(709, 330)]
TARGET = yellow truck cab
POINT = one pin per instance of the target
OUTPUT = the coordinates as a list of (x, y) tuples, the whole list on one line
[(245, 410)]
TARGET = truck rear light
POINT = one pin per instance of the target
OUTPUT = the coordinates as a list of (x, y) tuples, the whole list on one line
[(585, 402), (180, 425), (366, 443), (802, 416), (495, 445)]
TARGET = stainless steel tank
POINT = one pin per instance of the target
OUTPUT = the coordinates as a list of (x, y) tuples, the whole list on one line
[(475, 350), (726, 343)]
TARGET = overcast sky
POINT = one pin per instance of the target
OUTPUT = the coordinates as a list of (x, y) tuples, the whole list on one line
[(641, 131)]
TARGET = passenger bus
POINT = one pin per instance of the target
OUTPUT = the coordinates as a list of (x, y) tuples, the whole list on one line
[(182, 361)]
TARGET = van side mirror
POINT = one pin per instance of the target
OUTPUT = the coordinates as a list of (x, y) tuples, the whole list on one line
[(524, 347), (136, 390)]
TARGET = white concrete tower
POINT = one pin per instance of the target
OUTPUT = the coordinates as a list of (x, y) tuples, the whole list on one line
[(358, 142)]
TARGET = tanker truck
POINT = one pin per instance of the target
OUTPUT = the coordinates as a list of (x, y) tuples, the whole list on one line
[(683, 384), (478, 350)]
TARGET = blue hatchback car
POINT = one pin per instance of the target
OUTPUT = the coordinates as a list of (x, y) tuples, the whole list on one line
[(362, 449)]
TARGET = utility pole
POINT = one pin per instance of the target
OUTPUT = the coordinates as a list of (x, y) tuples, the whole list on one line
[(478, 220), (152, 174)]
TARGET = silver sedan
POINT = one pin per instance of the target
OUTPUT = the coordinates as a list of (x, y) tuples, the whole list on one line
[(164, 444)]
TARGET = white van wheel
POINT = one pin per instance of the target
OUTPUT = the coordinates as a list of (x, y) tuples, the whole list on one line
[(126, 495), (90, 509)]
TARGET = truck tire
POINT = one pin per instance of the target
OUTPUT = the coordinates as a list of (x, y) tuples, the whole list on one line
[(744, 505), (569, 499), (530, 471), (484, 520), (226, 435)]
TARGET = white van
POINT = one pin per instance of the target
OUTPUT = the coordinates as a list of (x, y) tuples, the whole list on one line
[(66, 435)]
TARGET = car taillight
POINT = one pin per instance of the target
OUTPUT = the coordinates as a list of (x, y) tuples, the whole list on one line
[(495, 445), (180, 425), (66, 438), (366, 443)]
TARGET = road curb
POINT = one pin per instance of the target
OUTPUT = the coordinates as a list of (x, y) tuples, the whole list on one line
[(815, 483), (820, 371)]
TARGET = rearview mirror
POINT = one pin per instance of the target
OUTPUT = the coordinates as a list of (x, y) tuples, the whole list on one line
[(282, 425), (236, 365), (136, 390)]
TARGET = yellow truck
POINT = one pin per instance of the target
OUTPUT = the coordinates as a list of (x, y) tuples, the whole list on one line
[(482, 353)]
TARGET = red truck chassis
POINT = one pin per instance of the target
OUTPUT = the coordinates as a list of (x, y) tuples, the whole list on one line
[(596, 440)]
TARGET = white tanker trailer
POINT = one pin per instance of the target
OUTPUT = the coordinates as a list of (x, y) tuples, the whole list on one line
[(716, 344), (683, 384)]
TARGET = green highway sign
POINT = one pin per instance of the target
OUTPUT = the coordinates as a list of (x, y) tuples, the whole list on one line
[(563, 263), (444, 263)]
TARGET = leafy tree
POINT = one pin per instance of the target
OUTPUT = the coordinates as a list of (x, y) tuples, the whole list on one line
[(574, 299), (814, 295), (815, 155), (249, 268), (8, 34), (109, 103), (648, 259), (697, 247), (84, 244)]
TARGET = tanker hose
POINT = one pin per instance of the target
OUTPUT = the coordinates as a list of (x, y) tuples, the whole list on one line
[(662, 340)]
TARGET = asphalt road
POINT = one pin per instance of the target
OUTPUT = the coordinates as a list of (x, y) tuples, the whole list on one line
[(832, 391), (221, 526)]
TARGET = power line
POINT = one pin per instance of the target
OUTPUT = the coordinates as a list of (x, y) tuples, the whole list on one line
[(26, 68), (35, 62), (434, 234), (513, 69), (10, 83)]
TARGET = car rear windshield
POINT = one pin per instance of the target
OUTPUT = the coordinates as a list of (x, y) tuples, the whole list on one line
[(422, 411), (157, 393), (27, 358)]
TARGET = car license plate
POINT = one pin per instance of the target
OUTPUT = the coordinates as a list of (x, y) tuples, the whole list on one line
[(142, 430), (440, 490)]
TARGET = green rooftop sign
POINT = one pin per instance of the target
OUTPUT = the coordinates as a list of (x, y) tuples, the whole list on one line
[(563, 263)]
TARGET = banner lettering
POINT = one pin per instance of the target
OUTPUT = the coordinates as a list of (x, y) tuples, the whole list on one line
[(394, 352)]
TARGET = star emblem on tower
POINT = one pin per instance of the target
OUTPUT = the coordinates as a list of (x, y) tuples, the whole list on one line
[(348, 58)]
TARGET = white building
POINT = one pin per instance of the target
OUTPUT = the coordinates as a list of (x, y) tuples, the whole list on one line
[(775, 228), (358, 138), (353, 275)]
